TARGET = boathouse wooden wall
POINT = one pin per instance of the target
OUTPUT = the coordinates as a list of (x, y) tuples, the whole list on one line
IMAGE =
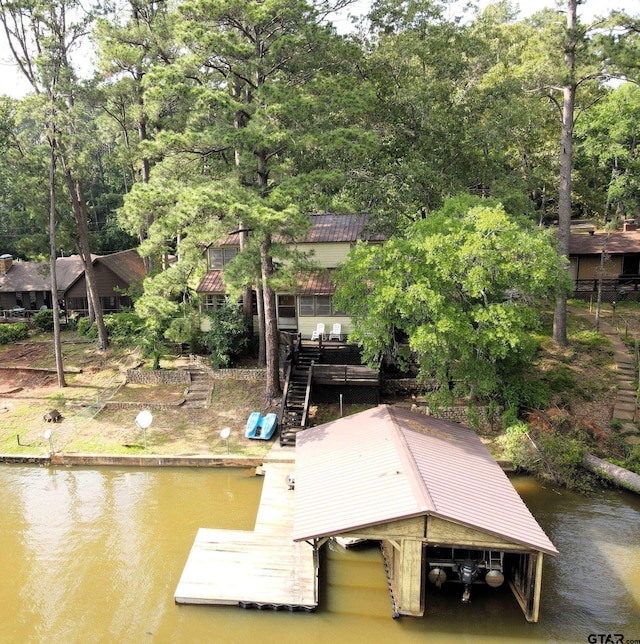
[(404, 548)]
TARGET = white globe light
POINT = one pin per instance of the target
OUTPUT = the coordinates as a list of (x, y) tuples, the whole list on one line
[(143, 419), (225, 433)]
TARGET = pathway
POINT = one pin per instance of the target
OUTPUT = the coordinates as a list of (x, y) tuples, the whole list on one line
[(626, 403)]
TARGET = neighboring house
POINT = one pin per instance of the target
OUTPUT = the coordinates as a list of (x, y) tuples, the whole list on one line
[(328, 241), (25, 287), (612, 256)]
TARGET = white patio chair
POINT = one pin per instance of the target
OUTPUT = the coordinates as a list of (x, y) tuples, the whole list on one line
[(336, 332), (319, 332)]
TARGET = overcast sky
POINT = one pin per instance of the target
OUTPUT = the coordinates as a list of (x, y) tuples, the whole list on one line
[(12, 83)]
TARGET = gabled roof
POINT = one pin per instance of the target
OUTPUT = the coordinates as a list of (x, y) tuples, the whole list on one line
[(326, 228), (35, 276), (387, 464), (348, 228), (126, 264), (617, 243)]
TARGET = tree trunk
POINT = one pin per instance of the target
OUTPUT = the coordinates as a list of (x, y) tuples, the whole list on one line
[(566, 164), (57, 344), (76, 193), (273, 390), (262, 357)]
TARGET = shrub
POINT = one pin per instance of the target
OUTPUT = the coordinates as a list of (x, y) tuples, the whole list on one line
[(553, 457), (227, 336), (13, 332), (43, 320), (124, 328), (86, 327)]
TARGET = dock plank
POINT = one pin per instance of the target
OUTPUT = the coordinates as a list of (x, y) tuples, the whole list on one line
[(264, 567)]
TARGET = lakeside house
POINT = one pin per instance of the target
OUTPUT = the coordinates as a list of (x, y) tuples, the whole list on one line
[(25, 287), (610, 260), (328, 241)]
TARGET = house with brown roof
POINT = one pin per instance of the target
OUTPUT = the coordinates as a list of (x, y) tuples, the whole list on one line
[(610, 259), (328, 241), (430, 492), (25, 287)]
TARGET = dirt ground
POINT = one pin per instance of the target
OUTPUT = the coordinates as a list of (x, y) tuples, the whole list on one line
[(28, 392), (92, 377)]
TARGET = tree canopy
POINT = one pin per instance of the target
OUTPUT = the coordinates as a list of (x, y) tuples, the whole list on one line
[(208, 117), (458, 292)]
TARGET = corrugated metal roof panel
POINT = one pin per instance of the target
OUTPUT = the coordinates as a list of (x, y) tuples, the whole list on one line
[(212, 282), (316, 283), (387, 464), (327, 228)]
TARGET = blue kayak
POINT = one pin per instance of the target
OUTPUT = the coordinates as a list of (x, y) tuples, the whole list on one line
[(260, 427), (253, 424)]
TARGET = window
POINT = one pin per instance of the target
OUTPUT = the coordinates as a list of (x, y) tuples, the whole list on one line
[(219, 257), (109, 303), (631, 265), (286, 306), (214, 301), (317, 305), (78, 303), (307, 305), (323, 305)]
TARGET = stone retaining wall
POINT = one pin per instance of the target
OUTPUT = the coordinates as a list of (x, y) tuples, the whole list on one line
[(486, 416), (239, 374), (158, 377), (405, 386), (143, 405)]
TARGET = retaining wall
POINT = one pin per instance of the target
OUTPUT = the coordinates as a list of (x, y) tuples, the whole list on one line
[(158, 376), (485, 415), (104, 460)]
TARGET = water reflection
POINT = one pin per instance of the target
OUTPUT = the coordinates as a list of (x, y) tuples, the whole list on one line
[(95, 555)]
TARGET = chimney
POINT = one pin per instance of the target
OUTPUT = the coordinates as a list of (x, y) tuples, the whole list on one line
[(629, 225), (5, 263)]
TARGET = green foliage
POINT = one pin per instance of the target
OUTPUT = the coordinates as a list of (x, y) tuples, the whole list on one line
[(185, 329), (87, 328), (126, 328), (43, 320), (226, 337), (13, 332), (465, 286), (551, 456), (632, 460)]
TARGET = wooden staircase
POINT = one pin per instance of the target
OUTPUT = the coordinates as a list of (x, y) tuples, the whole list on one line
[(297, 393)]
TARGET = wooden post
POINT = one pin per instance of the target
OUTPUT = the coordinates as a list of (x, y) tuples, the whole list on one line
[(537, 589)]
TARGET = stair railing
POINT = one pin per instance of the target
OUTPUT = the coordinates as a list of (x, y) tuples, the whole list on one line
[(307, 397), (285, 393)]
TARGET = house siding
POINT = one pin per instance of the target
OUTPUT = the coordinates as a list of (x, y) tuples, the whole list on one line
[(106, 282), (589, 268), (327, 255)]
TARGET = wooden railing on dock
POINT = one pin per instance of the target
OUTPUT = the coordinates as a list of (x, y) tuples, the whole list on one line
[(328, 374)]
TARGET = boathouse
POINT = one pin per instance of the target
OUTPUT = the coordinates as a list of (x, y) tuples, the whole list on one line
[(430, 492)]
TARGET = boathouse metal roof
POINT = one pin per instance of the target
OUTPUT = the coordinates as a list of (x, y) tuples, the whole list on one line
[(386, 464)]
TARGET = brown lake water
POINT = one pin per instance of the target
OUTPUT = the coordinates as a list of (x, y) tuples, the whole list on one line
[(94, 555)]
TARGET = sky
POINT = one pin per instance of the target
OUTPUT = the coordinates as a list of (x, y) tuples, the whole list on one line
[(13, 84)]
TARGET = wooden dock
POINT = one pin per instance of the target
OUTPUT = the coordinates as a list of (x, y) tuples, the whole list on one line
[(264, 568)]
